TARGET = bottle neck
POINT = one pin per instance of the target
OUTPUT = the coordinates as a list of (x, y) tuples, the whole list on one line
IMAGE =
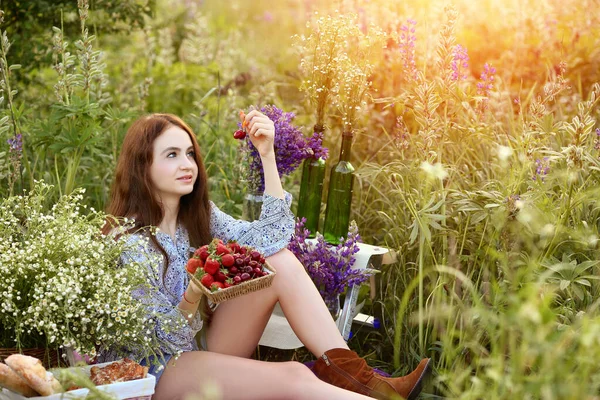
[(346, 146)]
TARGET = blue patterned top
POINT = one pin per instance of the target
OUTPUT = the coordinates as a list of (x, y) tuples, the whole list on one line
[(269, 234)]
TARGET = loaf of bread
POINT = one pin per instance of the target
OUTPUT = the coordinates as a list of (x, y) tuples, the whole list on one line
[(10, 380), (31, 370)]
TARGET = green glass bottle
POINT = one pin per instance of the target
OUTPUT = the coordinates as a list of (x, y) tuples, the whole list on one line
[(311, 190), (339, 198)]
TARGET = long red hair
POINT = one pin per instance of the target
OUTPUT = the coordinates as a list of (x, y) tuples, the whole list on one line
[(132, 192)]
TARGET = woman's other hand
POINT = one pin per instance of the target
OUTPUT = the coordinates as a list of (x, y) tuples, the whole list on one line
[(261, 131)]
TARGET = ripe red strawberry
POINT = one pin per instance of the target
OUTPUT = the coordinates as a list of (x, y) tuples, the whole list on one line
[(211, 266), (220, 276), (234, 246), (216, 286), (207, 280), (227, 260), (203, 252), (193, 264), (222, 249)]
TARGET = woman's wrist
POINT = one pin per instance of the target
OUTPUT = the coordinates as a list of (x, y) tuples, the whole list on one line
[(269, 157), (191, 296)]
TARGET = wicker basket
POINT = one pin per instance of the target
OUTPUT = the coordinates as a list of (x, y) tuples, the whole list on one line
[(241, 289), (49, 358)]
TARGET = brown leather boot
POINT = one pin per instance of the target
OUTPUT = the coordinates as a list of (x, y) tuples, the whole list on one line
[(344, 368)]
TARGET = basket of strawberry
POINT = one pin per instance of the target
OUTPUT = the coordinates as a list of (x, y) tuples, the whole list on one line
[(227, 270)]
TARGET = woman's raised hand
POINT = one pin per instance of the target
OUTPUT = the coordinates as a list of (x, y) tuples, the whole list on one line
[(261, 131)]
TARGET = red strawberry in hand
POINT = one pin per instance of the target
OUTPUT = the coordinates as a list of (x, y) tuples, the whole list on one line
[(211, 266), (193, 264), (227, 260), (207, 280)]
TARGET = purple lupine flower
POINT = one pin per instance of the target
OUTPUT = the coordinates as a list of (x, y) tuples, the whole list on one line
[(486, 83), (597, 140), (401, 138), (460, 63), (291, 147), (330, 267), (315, 147), (407, 47), (16, 144), (542, 167)]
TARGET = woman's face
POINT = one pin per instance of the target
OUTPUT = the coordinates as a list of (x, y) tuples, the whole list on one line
[(173, 170)]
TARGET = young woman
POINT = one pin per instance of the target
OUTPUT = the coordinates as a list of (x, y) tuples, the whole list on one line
[(160, 181)]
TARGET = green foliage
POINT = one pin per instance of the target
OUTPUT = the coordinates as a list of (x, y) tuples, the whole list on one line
[(487, 195), (28, 23)]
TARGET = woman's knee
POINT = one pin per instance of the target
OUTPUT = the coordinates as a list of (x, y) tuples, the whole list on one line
[(298, 375), (285, 261)]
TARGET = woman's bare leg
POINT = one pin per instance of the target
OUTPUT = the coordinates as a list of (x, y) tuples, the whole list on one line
[(238, 324), (241, 378)]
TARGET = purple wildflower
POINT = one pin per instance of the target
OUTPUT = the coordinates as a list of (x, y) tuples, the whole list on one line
[(330, 267), (460, 63), (401, 138), (16, 144), (542, 167), (315, 146), (486, 83), (407, 47), (597, 140), (290, 147)]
